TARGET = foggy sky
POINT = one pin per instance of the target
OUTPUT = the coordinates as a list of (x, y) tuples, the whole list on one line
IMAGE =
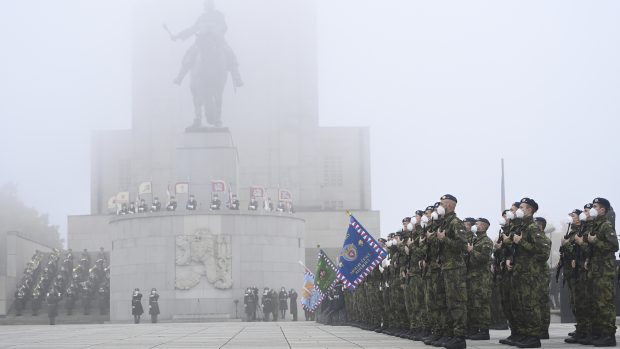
[(447, 89)]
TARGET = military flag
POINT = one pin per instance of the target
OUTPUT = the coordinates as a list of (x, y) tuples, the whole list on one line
[(359, 255), (145, 188), (122, 197), (311, 296), (257, 192), (326, 272), (218, 186), (181, 188), (285, 195)]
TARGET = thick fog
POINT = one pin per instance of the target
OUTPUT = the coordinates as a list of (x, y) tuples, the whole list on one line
[(447, 88)]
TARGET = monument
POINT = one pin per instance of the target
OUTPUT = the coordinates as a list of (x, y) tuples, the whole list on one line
[(253, 138)]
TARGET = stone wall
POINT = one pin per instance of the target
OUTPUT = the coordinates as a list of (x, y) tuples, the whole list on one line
[(264, 251), (15, 251)]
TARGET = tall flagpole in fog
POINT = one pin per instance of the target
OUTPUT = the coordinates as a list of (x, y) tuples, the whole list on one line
[(503, 189)]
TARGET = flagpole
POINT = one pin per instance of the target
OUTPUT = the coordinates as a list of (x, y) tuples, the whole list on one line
[(503, 187), (303, 265)]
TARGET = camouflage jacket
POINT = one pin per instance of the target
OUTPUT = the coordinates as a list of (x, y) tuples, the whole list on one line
[(531, 249), (603, 248), (480, 256), (455, 242)]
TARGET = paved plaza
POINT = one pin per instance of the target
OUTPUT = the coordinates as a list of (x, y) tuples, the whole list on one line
[(225, 335)]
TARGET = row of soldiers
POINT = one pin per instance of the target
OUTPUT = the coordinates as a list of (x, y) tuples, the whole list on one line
[(587, 258), (272, 304), (435, 286)]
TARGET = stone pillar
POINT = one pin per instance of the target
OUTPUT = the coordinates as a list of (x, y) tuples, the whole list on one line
[(203, 156)]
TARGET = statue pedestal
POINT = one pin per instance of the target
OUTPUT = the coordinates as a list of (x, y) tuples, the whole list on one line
[(203, 156)]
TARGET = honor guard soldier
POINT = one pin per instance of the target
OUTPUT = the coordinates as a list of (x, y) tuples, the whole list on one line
[(155, 205), (234, 203), (192, 204), (453, 244), (172, 204), (136, 305), (132, 208), (215, 203), (123, 210), (603, 244), (154, 305), (280, 207), (253, 205), (142, 208)]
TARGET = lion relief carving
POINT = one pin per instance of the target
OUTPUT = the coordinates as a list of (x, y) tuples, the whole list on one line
[(203, 254)]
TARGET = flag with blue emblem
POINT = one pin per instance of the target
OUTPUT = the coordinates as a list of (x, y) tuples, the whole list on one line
[(360, 254), (311, 296)]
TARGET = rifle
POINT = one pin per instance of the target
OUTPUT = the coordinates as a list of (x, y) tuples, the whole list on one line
[(427, 255), (578, 252), (561, 261), (468, 255), (498, 256)]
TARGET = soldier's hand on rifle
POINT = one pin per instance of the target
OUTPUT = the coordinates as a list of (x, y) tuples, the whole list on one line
[(516, 238), (470, 247), (565, 241), (508, 264), (407, 250), (429, 234), (506, 238), (579, 240), (441, 234), (591, 238), (498, 245), (573, 264), (422, 264)]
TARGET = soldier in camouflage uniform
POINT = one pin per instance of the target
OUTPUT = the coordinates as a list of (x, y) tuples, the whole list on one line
[(397, 300), (569, 276), (543, 281), (402, 264), (434, 292), (529, 247), (579, 251), (603, 243), (479, 281), (416, 284), (505, 250), (453, 242)]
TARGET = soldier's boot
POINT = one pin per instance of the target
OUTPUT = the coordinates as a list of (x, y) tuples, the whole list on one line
[(481, 335), (572, 334), (456, 343), (442, 341), (605, 341), (431, 338), (528, 342), (575, 338), (544, 334), (510, 339), (588, 340)]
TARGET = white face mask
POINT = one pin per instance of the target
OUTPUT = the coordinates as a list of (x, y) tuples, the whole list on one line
[(441, 211), (474, 229), (424, 219), (510, 215), (434, 215), (583, 217), (410, 226), (593, 212), (568, 220), (502, 221), (519, 213)]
